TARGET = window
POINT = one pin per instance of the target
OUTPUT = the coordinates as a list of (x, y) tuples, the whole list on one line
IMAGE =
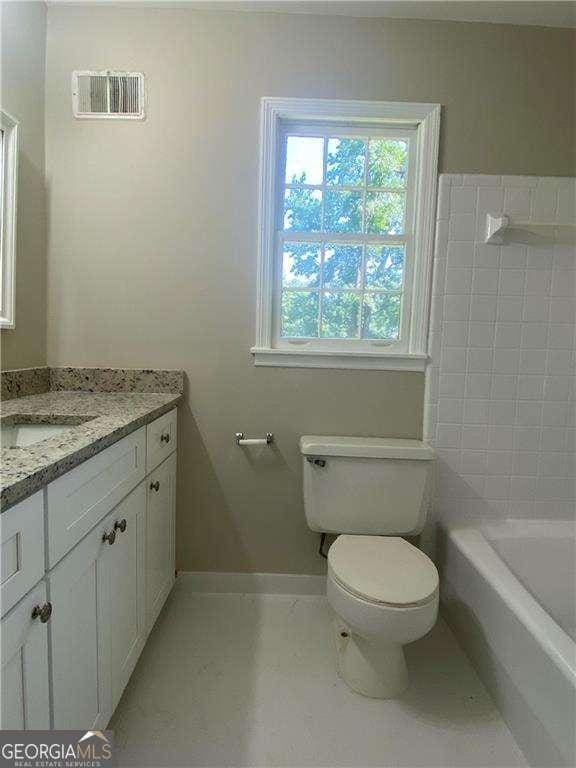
[(8, 180), (346, 226)]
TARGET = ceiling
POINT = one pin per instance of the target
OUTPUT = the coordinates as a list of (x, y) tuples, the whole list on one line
[(544, 13)]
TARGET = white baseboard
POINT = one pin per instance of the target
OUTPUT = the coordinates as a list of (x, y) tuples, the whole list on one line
[(251, 583)]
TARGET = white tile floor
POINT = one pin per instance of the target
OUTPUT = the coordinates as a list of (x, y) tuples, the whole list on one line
[(249, 680)]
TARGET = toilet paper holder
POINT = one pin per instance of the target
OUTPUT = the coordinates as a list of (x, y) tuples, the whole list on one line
[(241, 440)]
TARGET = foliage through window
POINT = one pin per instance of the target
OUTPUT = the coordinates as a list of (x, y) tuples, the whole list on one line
[(343, 238)]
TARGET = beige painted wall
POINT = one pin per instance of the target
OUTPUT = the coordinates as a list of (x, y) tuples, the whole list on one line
[(152, 247), (22, 69)]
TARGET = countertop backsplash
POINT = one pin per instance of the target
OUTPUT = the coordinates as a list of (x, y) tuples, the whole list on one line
[(22, 382)]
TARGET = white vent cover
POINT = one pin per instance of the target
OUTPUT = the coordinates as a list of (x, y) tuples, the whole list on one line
[(108, 95)]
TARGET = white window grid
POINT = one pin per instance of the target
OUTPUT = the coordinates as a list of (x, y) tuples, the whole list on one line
[(363, 238)]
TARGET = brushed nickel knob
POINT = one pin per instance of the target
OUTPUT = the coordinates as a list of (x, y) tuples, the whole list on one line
[(155, 486), (109, 537), (165, 437), (120, 525), (42, 612)]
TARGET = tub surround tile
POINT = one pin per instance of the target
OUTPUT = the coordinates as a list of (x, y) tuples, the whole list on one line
[(105, 417), (500, 387)]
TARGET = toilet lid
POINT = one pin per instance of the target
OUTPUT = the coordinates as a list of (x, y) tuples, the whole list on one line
[(383, 569)]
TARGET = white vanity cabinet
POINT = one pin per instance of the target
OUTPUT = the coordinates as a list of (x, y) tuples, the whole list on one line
[(108, 568)]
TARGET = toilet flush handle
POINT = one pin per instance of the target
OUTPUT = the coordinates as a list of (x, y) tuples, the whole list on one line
[(316, 461)]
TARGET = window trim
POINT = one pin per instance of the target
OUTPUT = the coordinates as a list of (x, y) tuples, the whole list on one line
[(9, 127), (425, 118)]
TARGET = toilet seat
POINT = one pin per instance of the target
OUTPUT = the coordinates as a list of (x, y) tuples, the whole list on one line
[(384, 570)]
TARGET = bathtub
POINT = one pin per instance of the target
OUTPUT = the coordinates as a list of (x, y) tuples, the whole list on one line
[(508, 594)]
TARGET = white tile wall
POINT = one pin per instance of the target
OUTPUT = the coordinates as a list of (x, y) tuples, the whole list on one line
[(500, 393)]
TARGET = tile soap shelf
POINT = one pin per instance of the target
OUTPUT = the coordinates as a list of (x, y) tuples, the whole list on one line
[(500, 230)]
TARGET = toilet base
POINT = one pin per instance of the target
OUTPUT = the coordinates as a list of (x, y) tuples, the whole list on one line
[(377, 670)]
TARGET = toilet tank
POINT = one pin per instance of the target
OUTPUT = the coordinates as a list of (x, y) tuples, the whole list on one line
[(366, 485)]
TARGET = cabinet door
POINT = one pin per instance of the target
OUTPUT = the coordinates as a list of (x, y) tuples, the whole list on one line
[(24, 676), (80, 634), (160, 522), (125, 570)]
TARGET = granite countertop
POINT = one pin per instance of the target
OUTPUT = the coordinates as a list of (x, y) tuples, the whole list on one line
[(98, 420)]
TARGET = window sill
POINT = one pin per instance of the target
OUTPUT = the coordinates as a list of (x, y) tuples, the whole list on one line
[(367, 361)]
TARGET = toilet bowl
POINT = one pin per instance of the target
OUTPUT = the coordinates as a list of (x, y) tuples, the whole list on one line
[(384, 592), (372, 491)]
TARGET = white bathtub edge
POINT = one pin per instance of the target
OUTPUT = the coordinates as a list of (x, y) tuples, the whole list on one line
[(527, 662), (558, 645)]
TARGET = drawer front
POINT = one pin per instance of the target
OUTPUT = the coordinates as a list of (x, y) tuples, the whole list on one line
[(79, 499), (22, 558), (160, 439)]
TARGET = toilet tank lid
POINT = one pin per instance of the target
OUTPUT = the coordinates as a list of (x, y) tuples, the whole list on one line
[(365, 447)]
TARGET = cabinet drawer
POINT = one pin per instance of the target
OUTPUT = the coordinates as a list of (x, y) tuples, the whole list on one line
[(22, 558), (79, 499), (160, 439)]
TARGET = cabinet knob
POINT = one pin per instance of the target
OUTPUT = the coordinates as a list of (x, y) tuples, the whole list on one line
[(109, 537), (165, 437), (42, 612), (120, 525), (155, 486)]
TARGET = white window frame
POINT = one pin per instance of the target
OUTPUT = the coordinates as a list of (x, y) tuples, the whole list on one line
[(9, 181), (423, 120)]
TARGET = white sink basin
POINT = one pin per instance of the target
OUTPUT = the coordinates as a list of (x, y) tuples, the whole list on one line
[(23, 435)]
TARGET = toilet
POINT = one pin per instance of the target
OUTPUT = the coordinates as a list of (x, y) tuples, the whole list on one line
[(371, 492)]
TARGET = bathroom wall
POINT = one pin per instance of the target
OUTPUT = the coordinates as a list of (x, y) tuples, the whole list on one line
[(22, 70), (152, 250), (500, 395)]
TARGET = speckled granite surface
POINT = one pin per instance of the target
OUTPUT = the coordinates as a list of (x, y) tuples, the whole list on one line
[(116, 380), (111, 417), (22, 382)]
